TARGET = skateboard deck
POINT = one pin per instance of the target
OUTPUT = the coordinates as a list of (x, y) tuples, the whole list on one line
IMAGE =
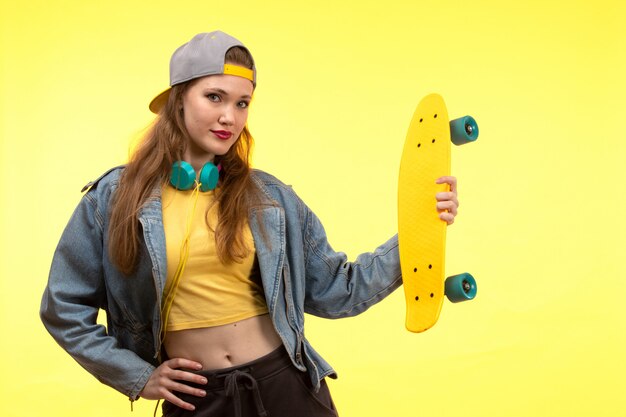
[(421, 233)]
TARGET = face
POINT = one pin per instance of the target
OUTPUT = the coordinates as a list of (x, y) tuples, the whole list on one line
[(215, 110)]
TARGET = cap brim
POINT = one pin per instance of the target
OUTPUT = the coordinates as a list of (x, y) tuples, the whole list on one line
[(159, 101)]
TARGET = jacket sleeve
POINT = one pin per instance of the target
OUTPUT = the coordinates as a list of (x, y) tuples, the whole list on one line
[(338, 288), (74, 294)]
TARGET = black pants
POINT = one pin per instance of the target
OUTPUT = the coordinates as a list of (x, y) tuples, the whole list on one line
[(269, 387)]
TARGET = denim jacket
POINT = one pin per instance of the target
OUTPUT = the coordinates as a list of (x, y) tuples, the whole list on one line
[(300, 272)]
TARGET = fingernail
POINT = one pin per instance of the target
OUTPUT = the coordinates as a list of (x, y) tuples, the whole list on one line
[(204, 380)]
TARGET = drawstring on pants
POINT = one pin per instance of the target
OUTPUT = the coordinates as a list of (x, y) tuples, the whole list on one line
[(232, 390)]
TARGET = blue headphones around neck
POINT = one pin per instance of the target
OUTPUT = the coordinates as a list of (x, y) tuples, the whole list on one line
[(183, 176)]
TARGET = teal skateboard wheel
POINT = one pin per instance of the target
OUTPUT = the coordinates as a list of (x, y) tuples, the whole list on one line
[(461, 287), (463, 130)]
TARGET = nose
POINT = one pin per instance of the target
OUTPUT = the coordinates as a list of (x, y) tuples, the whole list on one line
[(227, 118)]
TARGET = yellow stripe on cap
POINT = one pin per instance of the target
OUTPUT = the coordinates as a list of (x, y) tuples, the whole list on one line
[(239, 71)]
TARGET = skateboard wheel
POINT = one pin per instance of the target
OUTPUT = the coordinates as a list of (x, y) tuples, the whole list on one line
[(463, 130), (461, 287)]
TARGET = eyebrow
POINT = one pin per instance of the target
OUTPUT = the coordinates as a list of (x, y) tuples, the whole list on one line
[(223, 92)]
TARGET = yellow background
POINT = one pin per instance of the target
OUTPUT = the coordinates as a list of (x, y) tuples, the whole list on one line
[(541, 222)]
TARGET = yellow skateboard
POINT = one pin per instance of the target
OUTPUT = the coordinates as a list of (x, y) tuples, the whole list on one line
[(421, 233)]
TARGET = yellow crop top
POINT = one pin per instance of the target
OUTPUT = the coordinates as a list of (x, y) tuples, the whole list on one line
[(209, 292)]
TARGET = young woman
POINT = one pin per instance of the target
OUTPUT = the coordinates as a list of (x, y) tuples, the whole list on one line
[(206, 267)]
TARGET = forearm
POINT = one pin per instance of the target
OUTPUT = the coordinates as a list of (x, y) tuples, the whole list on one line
[(75, 329), (344, 289)]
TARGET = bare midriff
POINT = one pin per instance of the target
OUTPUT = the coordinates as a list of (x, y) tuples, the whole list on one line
[(224, 346)]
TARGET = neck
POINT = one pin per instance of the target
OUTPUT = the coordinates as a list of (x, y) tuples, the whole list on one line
[(198, 161)]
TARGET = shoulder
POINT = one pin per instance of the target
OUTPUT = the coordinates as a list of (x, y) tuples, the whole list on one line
[(279, 194), (99, 190), (109, 178), (272, 187), (266, 179)]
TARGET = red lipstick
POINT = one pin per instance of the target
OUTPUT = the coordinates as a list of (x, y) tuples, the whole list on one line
[(222, 134)]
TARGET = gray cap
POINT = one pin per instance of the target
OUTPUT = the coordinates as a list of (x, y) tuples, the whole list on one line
[(203, 55)]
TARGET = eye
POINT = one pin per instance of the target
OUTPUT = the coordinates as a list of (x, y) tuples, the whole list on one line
[(213, 97), (243, 104)]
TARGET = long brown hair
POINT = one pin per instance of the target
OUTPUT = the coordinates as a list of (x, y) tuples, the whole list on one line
[(149, 167)]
